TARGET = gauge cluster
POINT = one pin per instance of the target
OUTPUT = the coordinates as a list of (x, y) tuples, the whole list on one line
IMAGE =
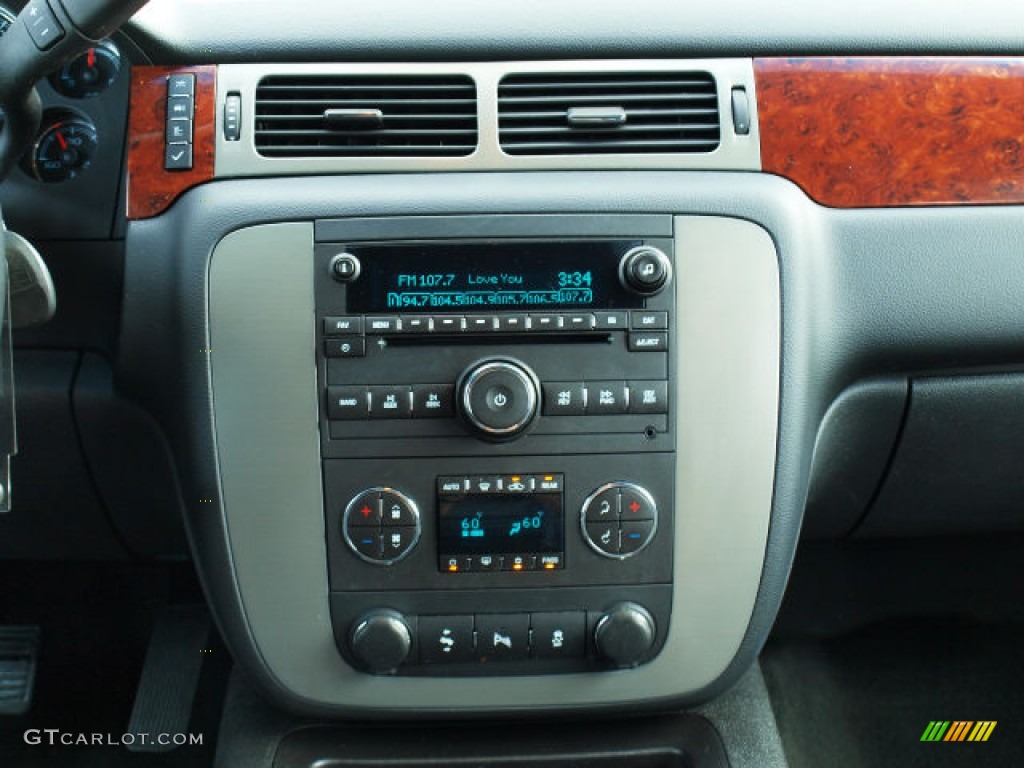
[(68, 184)]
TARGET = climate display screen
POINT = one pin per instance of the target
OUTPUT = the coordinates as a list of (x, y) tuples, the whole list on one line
[(482, 524), (467, 277)]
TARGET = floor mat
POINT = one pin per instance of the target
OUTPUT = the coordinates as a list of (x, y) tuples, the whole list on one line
[(865, 699)]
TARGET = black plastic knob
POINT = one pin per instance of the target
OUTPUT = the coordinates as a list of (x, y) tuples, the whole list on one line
[(645, 270), (380, 641), (499, 398), (625, 635)]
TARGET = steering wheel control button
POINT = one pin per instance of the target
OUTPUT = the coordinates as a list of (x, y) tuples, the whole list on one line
[(380, 641), (564, 399), (619, 520), (42, 25), (559, 635), (499, 398), (503, 637), (649, 397), (347, 404), (381, 525), (445, 639), (390, 402), (645, 270)]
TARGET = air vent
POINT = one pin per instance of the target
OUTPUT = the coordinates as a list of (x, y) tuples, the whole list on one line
[(365, 116), (608, 113)]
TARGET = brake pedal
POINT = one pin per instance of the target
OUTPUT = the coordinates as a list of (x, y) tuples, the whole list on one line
[(170, 675), (18, 654)]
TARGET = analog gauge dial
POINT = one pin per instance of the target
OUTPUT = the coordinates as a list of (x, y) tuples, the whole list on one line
[(90, 74), (64, 150)]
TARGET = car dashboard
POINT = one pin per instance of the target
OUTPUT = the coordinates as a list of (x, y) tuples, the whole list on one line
[(509, 367)]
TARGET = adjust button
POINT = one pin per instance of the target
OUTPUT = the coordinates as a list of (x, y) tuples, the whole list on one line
[(653, 341), (564, 399), (445, 639)]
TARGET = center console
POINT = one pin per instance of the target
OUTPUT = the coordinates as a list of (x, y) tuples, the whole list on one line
[(498, 447)]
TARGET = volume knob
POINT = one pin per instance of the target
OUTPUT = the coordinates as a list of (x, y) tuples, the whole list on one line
[(625, 635), (380, 641), (499, 398)]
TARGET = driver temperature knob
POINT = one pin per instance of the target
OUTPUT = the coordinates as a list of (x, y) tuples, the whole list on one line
[(625, 635), (380, 641), (499, 398)]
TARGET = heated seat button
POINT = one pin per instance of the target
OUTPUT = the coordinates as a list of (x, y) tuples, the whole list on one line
[(558, 635), (445, 639), (502, 636)]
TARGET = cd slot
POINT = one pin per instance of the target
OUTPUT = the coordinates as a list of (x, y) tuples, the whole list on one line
[(493, 339)]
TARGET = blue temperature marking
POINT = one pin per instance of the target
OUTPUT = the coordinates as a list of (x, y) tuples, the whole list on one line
[(474, 534)]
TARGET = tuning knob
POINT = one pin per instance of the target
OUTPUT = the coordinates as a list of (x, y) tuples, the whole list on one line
[(499, 398), (380, 641), (625, 635), (645, 270)]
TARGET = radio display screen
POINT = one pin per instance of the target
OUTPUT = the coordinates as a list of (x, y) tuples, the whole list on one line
[(501, 524), (466, 277)]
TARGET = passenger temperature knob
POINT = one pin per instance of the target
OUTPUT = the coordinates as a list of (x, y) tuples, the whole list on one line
[(625, 635)]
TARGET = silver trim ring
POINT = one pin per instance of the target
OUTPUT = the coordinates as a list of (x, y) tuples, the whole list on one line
[(618, 485), (404, 499), (531, 396)]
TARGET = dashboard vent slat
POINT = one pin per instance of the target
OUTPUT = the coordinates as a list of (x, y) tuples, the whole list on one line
[(424, 116), (666, 112)]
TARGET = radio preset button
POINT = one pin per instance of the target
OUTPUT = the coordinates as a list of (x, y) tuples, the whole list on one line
[(417, 324), (430, 401), (564, 399), (343, 326), (607, 397), (610, 321), (513, 323), (390, 402), (582, 321), (379, 325), (545, 322), (648, 397), (347, 403), (354, 346), (480, 323), (654, 341), (448, 324)]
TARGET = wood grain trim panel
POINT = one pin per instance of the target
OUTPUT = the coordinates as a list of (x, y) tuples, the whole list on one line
[(151, 189), (873, 132)]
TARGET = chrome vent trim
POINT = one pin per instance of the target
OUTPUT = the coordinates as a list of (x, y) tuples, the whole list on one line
[(246, 157), (608, 113)]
